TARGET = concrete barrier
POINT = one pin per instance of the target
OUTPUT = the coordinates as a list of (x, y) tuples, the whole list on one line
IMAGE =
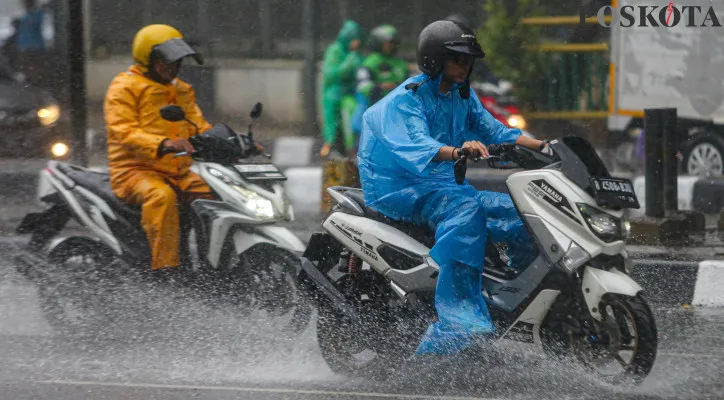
[(705, 195)]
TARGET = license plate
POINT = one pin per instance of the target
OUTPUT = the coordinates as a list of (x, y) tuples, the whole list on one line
[(256, 168), (613, 185), (614, 193), (253, 172)]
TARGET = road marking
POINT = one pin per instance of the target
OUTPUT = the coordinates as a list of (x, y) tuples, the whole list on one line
[(690, 355), (259, 390), (707, 291)]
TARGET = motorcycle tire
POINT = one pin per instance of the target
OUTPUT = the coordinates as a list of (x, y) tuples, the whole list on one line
[(338, 339), (265, 279), (628, 319), (74, 294)]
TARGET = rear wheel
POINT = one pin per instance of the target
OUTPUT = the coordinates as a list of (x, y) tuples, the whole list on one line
[(75, 295), (620, 349), (374, 347), (346, 347)]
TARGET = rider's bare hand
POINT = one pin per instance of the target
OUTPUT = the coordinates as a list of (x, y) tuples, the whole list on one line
[(476, 149), (179, 145)]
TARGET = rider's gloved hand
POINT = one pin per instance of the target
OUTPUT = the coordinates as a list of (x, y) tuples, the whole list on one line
[(178, 145), (476, 149)]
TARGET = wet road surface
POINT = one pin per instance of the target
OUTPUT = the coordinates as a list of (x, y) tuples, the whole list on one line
[(181, 348)]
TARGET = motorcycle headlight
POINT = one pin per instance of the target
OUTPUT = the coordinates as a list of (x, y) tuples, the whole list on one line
[(516, 121), (256, 204), (49, 115), (604, 225), (59, 149)]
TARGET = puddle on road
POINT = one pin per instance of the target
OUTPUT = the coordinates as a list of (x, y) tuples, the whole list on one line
[(178, 340)]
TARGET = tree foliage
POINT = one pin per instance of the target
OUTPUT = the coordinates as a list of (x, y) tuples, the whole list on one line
[(509, 45)]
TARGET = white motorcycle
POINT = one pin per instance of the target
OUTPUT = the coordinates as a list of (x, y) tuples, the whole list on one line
[(375, 280), (233, 241)]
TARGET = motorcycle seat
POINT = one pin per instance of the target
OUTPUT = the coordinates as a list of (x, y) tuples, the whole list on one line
[(99, 183), (422, 234)]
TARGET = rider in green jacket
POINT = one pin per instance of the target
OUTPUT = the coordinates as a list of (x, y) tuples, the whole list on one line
[(382, 70), (380, 73), (341, 61)]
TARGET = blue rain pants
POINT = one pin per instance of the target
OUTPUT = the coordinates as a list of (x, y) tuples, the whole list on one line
[(464, 219)]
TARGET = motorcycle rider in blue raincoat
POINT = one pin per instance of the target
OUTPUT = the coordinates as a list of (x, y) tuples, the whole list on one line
[(409, 142)]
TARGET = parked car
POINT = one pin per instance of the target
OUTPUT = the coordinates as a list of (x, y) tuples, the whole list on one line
[(31, 119)]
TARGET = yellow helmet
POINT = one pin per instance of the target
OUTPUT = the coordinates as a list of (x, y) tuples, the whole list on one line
[(165, 39)]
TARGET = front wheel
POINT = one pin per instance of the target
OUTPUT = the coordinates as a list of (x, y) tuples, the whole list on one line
[(264, 278), (621, 348)]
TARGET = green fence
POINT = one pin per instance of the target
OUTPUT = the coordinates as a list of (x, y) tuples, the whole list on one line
[(575, 85)]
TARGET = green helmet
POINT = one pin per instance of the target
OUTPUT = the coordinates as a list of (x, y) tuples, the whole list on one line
[(382, 34)]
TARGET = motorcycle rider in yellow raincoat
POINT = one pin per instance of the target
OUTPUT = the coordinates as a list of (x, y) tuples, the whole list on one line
[(140, 173)]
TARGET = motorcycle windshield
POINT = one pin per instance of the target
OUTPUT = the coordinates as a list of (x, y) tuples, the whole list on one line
[(220, 131), (581, 164)]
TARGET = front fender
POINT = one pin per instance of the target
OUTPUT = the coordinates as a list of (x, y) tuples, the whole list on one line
[(275, 235), (598, 282), (62, 244)]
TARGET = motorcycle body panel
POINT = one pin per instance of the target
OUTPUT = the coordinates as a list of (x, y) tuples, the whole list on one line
[(548, 195), (526, 328)]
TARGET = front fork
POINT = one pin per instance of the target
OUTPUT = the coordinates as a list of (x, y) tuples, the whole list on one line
[(587, 291)]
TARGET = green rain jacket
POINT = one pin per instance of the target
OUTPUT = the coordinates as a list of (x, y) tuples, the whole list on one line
[(340, 64)]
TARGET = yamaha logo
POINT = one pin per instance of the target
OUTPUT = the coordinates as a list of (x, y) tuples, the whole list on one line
[(468, 36), (552, 193)]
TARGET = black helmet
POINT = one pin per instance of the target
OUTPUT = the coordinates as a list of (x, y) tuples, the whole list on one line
[(460, 19), (439, 40)]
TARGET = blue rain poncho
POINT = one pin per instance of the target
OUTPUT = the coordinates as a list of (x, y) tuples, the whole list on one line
[(401, 135)]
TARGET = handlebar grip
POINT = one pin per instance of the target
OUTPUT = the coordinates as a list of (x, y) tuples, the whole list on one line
[(166, 150), (495, 149)]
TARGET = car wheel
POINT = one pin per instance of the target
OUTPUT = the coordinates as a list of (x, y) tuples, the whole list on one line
[(705, 156)]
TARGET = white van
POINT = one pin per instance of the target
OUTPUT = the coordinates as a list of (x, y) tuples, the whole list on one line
[(680, 67)]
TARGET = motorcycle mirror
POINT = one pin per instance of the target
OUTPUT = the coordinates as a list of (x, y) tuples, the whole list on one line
[(173, 113), (256, 111), (461, 168)]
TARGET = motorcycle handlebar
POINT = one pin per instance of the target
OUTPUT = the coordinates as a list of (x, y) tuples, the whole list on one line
[(494, 150)]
